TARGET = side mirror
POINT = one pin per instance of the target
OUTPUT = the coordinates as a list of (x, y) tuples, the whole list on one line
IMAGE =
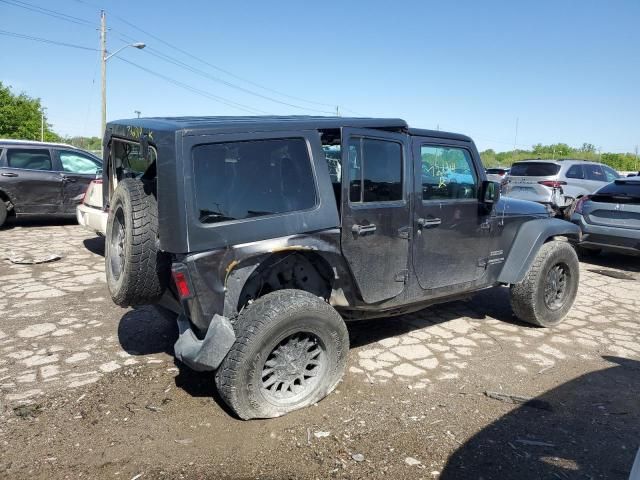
[(490, 192)]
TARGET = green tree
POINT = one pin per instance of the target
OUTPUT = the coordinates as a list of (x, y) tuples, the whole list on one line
[(21, 117)]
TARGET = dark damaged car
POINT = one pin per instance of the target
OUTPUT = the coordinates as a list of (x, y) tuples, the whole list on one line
[(39, 178), (267, 234)]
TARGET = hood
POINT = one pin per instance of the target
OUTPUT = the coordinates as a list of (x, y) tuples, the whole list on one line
[(508, 206)]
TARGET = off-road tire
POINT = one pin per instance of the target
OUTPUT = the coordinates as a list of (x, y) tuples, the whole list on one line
[(142, 273), (260, 328), (3, 212), (528, 296)]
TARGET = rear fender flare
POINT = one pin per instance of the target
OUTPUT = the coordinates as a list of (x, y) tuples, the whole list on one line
[(530, 237)]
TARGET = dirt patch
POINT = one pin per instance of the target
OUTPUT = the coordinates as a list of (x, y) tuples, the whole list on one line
[(163, 423)]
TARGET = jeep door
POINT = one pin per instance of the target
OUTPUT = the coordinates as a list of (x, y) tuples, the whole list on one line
[(28, 177), (375, 211), (452, 228), (77, 170)]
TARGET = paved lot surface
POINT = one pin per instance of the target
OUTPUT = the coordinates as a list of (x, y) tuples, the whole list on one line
[(414, 389)]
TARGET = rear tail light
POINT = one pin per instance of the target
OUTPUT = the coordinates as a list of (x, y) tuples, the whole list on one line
[(92, 182), (552, 183), (580, 203), (182, 284)]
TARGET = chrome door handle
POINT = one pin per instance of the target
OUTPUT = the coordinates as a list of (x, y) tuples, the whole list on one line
[(429, 222), (363, 229), (9, 174)]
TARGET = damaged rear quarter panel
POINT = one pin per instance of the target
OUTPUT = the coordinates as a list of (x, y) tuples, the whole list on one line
[(219, 276)]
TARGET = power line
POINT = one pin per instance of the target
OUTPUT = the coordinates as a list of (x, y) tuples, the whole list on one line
[(231, 74), (45, 40), (51, 13), (167, 58), (195, 90)]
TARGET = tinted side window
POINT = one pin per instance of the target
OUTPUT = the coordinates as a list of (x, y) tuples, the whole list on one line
[(31, 159), (375, 170), (238, 180), (447, 173), (594, 172), (75, 162), (575, 172), (610, 173)]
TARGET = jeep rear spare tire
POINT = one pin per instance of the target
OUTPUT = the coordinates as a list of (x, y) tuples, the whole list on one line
[(546, 294), (137, 271), (290, 351)]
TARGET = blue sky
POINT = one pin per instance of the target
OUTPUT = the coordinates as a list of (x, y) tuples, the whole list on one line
[(568, 70)]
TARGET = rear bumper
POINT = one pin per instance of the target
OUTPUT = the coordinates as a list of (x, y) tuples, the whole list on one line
[(92, 218), (554, 199), (624, 240)]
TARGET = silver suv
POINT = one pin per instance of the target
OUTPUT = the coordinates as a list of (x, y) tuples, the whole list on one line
[(557, 183)]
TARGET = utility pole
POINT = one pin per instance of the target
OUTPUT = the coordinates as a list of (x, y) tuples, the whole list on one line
[(637, 160), (137, 112), (103, 55), (42, 124), (515, 139), (337, 110)]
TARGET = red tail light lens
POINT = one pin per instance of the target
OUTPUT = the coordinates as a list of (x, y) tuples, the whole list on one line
[(552, 183), (182, 284), (580, 203)]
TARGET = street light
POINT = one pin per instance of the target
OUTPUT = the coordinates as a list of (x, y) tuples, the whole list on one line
[(105, 56)]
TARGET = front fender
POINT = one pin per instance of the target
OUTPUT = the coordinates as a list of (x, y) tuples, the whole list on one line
[(530, 237)]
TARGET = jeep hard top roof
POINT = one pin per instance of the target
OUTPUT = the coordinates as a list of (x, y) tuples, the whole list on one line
[(189, 125)]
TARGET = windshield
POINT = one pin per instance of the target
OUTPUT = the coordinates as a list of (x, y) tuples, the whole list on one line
[(534, 169)]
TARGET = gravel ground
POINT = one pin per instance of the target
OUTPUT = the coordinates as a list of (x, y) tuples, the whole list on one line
[(88, 389)]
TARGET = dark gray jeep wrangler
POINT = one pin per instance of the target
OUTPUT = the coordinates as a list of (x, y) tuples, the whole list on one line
[(266, 234)]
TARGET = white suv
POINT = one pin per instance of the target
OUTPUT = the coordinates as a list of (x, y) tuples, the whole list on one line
[(557, 183)]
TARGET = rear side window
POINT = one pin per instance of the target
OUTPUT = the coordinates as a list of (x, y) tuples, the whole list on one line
[(29, 159), (75, 162), (594, 172), (375, 170), (575, 172), (534, 169), (238, 180)]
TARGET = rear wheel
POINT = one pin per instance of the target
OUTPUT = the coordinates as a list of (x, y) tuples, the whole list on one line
[(290, 352), (137, 271), (546, 294)]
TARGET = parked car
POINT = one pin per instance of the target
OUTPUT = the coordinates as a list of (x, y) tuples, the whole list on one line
[(43, 178), (557, 183), (90, 213), (244, 229), (498, 174), (610, 218)]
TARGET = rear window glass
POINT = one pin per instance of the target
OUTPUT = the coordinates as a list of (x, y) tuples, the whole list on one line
[(621, 188), (238, 180), (496, 171), (534, 169), (29, 159)]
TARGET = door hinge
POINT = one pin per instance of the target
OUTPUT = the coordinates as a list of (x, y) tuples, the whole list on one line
[(402, 276)]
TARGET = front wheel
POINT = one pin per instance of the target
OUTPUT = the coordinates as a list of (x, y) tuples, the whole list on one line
[(547, 292), (290, 352)]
